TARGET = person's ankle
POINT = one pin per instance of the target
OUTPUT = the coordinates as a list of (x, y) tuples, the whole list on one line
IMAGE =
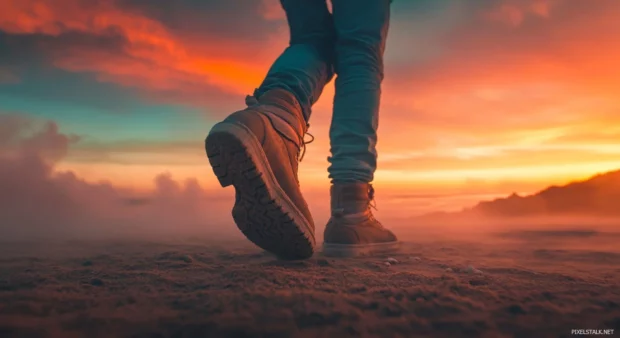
[(350, 200)]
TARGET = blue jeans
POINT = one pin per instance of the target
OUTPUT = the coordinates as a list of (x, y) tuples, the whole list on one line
[(350, 43)]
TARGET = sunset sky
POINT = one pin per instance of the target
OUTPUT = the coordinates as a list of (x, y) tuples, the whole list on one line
[(481, 97)]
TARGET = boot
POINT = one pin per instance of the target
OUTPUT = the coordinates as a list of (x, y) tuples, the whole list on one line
[(352, 229), (257, 150)]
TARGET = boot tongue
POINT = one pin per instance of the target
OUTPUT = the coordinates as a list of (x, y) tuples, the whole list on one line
[(283, 112), (282, 98), (288, 103), (350, 199)]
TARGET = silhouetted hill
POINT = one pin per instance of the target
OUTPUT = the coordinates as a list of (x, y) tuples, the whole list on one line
[(596, 196)]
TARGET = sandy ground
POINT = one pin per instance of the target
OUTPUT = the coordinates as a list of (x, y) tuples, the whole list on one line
[(520, 284)]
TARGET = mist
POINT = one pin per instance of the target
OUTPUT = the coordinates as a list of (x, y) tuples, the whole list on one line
[(39, 202)]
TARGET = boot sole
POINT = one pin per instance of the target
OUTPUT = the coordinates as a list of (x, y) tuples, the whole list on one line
[(263, 211), (353, 250)]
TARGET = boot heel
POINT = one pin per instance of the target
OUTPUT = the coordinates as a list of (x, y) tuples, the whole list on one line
[(217, 147), (220, 171)]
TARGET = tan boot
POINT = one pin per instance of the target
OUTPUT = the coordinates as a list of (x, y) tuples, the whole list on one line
[(257, 151), (352, 229)]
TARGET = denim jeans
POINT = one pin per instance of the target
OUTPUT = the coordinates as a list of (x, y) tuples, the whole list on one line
[(349, 42)]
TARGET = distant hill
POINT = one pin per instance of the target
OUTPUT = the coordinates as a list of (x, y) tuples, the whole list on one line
[(596, 196)]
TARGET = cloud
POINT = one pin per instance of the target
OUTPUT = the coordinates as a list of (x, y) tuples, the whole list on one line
[(36, 200), (240, 20), (514, 12), (194, 50), (181, 51), (547, 49), (8, 76)]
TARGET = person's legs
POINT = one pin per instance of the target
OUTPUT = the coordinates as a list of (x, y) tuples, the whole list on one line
[(361, 29), (257, 149), (306, 66)]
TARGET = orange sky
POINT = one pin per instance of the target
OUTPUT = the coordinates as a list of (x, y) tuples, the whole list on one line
[(485, 98)]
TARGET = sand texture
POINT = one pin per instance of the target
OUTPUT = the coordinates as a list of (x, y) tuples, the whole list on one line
[(519, 284)]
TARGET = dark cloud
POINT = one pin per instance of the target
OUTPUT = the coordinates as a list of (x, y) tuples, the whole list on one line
[(24, 49), (31, 58), (28, 62), (230, 19)]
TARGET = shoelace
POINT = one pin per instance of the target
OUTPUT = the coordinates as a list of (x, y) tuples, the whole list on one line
[(371, 198), (304, 143), (252, 101), (372, 203)]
